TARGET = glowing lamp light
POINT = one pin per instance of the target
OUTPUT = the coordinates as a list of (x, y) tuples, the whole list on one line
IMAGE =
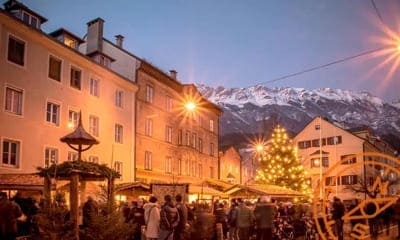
[(71, 125), (398, 47), (259, 147), (190, 106)]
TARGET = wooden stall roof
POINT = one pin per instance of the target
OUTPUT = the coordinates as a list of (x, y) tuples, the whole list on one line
[(131, 186), (218, 184), (261, 189), (204, 190), (21, 182)]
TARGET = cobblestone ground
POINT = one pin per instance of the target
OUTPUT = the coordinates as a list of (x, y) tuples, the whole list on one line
[(382, 234)]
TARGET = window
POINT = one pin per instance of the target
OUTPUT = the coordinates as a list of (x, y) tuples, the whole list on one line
[(94, 87), (93, 159), (211, 125), (149, 94), (168, 102), (13, 100), (194, 168), (179, 167), (119, 133), (118, 166), (119, 98), (304, 144), (30, 20), (315, 162), (72, 156), (334, 140), (105, 61), (148, 160), (168, 134), (211, 149), (212, 172), (315, 143), (200, 121), (200, 145), (54, 68), (73, 118), (317, 127), (180, 137), (16, 51), (350, 159), (330, 181), (148, 128), (187, 167), (53, 113), (50, 156), (94, 125), (168, 165), (187, 138), (10, 153), (200, 170), (349, 180), (72, 43), (194, 140), (75, 78)]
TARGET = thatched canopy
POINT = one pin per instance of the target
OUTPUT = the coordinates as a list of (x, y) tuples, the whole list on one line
[(87, 171)]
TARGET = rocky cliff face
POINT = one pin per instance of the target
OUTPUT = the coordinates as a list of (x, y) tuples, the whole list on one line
[(257, 109)]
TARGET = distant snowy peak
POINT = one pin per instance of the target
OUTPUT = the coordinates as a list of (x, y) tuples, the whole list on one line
[(396, 103), (262, 96)]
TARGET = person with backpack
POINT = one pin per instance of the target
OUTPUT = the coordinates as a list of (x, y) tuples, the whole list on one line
[(338, 211), (152, 219), (169, 219)]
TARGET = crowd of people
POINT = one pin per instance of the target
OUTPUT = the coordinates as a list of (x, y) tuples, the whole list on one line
[(238, 220)]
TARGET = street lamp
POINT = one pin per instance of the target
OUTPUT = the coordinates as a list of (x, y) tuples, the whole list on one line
[(190, 106)]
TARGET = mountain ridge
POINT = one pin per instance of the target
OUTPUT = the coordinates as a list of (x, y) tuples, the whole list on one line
[(257, 109)]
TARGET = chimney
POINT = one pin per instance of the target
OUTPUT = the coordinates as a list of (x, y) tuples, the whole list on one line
[(173, 73), (119, 39), (95, 35)]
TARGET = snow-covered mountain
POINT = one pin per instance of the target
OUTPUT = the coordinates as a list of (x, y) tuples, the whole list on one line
[(256, 109)]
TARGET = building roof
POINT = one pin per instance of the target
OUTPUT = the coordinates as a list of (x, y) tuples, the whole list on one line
[(16, 5), (69, 48), (65, 31)]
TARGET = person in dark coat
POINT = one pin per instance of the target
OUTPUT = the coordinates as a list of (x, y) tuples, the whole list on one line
[(90, 211), (232, 216), (136, 216), (9, 212), (221, 217), (183, 217), (264, 213), (396, 210), (169, 219), (338, 211)]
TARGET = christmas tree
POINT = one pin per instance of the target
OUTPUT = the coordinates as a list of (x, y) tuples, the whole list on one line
[(279, 164)]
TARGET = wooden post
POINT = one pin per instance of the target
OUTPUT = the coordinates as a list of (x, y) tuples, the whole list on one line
[(47, 192), (73, 203), (110, 194)]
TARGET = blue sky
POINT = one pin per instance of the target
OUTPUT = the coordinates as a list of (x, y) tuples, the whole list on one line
[(236, 43)]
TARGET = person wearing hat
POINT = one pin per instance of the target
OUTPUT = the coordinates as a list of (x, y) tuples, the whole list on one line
[(152, 219), (264, 213)]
